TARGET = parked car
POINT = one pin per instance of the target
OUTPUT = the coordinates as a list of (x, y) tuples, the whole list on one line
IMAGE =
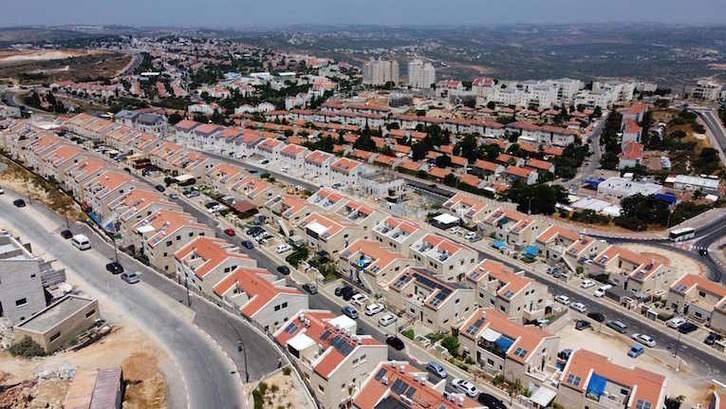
[(340, 289), (596, 316), (579, 307), (359, 299), (248, 244), (211, 204), (191, 193), (601, 290), (310, 288), (66, 234), (229, 232), (582, 325), (470, 236), (687, 328), (114, 268), (284, 270), (454, 230), (587, 284), (617, 326), (130, 277), (2, 191), (395, 343), (19, 203), (712, 338), (173, 196), (386, 320), (283, 248), (563, 299), (253, 231), (490, 401), (160, 188), (349, 293), (373, 309), (465, 386), (636, 351), (646, 340), (676, 322), (436, 369), (349, 311)]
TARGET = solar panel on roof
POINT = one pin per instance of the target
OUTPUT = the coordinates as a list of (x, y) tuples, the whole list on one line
[(409, 393), (325, 335), (291, 328), (380, 374), (396, 385)]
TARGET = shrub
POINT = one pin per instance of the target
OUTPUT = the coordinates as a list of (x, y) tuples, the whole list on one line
[(286, 371), (451, 344), (408, 333), (258, 401), (274, 388), (26, 348)]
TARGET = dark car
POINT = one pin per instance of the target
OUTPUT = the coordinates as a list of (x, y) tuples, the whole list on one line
[(248, 244), (687, 328), (339, 290), (114, 268), (582, 325), (211, 204), (490, 401), (348, 293), (66, 234), (160, 188), (310, 288), (19, 203), (395, 343), (597, 316), (712, 338), (284, 270)]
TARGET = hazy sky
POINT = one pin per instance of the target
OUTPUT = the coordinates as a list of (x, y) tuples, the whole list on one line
[(244, 13)]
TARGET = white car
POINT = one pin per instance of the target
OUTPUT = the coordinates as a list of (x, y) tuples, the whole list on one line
[(283, 248), (579, 307), (373, 309), (386, 320), (563, 299), (601, 290), (454, 230), (646, 340), (470, 236), (465, 386), (2, 191), (359, 299), (676, 322), (587, 284)]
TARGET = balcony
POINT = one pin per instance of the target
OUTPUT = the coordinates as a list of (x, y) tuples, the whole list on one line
[(491, 347)]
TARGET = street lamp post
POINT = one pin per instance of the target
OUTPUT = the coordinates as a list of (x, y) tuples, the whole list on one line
[(241, 348), (529, 206)]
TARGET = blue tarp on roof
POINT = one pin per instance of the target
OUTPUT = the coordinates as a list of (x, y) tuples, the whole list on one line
[(669, 198), (499, 245), (503, 343), (596, 385), (531, 251), (593, 183)]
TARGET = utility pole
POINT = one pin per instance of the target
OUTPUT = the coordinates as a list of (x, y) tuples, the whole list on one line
[(678, 345), (186, 286), (241, 348)]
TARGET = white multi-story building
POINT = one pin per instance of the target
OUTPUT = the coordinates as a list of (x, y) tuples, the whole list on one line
[(421, 74), (379, 72), (706, 90)]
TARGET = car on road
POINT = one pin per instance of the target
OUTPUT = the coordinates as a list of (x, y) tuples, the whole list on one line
[(636, 351), (130, 277), (617, 326), (581, 325), (350, 312), (191, 193), (490, 401), (712, 338), (173, 196), (373, 309), (310, 288), (644, 339), (395, 342), (283, 248), (687, 328), (436, 369), (596, 316), (563, 299), (229, 232), (454, 230), (19, 203), (114, 267), (359, 299), (579, 307), (248, 244), (587, 284), (2, 191), (465, 386), (284, 270), (160, 188), (601, 290), (387, 320), (471, 236), (66, 234), (676, 322)]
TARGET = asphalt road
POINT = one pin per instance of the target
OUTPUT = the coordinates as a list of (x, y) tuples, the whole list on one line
[(713, 123), (207, 374)]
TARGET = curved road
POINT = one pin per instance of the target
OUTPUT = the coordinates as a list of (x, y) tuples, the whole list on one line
[(207, 379)]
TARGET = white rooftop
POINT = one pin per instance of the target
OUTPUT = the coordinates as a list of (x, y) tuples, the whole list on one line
[(445, 218), (301, 342), (317, 228)]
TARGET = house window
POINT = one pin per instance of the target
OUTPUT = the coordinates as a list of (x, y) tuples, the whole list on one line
[(284, 305), (191, 234), (21, 302), (321, 389), (89, 314), (178, 237), (277, 308), (55, 336), (168, 243)]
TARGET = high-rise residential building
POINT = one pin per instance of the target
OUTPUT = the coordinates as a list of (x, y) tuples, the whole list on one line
[(707, 91), (421, 74), (379, 72)]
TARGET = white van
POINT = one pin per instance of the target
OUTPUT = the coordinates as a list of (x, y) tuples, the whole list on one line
[(81, 242), (601, 291)]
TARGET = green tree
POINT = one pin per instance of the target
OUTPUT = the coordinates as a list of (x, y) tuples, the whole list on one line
[(443, 161), (451, 343)]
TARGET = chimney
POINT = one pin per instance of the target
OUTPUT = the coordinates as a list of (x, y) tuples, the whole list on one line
[(307, 322)]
